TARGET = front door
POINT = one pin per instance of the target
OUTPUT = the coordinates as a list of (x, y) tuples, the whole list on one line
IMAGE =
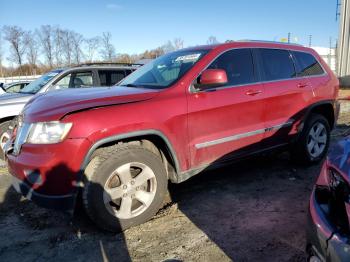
[(227, 120)]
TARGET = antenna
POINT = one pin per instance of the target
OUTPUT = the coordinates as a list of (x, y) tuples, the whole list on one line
[(337, 12), (310, 40)]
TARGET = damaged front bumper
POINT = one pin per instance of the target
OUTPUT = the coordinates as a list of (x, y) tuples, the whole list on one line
[(326, 239)]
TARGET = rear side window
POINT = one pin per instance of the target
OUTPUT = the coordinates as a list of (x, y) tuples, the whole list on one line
[(238, 64), (110, 77), (307, 65), (277, 64)]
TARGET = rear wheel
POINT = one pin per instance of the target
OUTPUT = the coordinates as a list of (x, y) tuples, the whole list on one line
[(125, 186), (313, 142), (4, 137)]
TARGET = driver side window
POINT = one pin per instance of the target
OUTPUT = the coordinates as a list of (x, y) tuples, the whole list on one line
[(63, 82), (238, 64)]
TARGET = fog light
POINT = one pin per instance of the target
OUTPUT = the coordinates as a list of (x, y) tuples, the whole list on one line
[(33, 177)]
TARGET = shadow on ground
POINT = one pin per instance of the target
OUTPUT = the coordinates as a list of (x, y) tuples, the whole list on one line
[(253, 210)]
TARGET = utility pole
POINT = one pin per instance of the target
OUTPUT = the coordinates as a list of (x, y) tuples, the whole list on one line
[(310, 40), (344, 39)]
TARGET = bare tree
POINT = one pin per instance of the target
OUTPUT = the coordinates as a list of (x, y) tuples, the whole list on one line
[(108, 50), (58, 45), (212, 40), (47, 43), (167, 47), (32, 50), (67, 46), (178, 43), (92, 44), (77, 40), (16, 37)]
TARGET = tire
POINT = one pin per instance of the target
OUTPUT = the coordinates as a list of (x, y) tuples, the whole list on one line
[(304, 150), (115, 196), (4, 136)]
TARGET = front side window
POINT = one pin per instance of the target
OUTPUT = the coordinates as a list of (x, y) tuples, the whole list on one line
[(82, 79), (238, 64), (307, 64), (63, 82), (165, 70), (277, 64), (75, 80)]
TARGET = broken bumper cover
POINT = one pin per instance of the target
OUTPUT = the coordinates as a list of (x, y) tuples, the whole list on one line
[(322, 236), (49, 175), (63, 203)]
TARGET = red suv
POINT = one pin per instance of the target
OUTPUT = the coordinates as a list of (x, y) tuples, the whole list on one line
[(182, 113)]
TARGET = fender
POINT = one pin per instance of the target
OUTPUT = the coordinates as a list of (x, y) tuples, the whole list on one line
[(131, 135), (333, 103)]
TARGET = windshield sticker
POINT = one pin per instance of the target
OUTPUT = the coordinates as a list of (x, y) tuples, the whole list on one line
[(188, 58)]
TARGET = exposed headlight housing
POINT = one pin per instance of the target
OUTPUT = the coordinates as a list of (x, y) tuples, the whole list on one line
[(48, 132)]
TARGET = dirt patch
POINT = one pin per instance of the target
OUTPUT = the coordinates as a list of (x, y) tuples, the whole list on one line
[(250, 211)]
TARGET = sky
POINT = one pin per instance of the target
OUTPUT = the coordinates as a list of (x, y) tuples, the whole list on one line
[(137, 25)]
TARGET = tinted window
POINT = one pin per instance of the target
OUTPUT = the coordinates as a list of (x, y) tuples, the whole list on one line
[(277, 64), (238, 65), (307, 64), (110, 77)]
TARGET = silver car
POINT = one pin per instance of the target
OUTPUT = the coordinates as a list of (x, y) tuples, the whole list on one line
[(77, 77)]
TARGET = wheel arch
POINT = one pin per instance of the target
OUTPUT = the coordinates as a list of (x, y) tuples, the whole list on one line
[(8, 118), (325, 108), (155, 136)]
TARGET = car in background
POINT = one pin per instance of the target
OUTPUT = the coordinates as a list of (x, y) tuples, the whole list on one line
[(82, 76), (14, 87), (328, 231)]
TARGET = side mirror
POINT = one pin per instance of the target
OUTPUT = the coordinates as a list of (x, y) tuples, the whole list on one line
[(212, 78)]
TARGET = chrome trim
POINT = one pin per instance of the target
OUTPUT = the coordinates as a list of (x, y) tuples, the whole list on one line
[(242, 135)]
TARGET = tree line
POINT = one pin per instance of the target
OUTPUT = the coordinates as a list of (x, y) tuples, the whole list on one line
[(35, 52)]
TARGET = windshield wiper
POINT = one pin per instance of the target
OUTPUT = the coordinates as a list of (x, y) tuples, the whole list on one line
[(132, 85)]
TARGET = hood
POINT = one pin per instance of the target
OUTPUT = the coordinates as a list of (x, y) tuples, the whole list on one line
[(54, 105), (339, 156), (14, 98)]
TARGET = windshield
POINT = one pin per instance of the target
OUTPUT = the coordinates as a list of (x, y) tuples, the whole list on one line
[(36, 85), (165, 70)]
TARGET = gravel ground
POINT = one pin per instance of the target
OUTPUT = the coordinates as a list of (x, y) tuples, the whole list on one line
[(254, 210)]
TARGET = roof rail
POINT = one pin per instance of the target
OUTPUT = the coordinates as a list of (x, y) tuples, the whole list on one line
[(266, 41), (109, 63)]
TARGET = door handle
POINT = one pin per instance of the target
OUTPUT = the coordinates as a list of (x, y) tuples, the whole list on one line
[(302, 85), (253, 92)]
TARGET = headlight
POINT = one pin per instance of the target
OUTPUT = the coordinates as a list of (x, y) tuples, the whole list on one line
[(48, 132)]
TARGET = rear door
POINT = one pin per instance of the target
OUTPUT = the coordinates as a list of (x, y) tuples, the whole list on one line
[(227, 121), (308, 67), (286, 94)]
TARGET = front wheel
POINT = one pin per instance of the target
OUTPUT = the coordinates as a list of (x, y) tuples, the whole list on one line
[(313, 142), (4, 137), (125, 186)]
